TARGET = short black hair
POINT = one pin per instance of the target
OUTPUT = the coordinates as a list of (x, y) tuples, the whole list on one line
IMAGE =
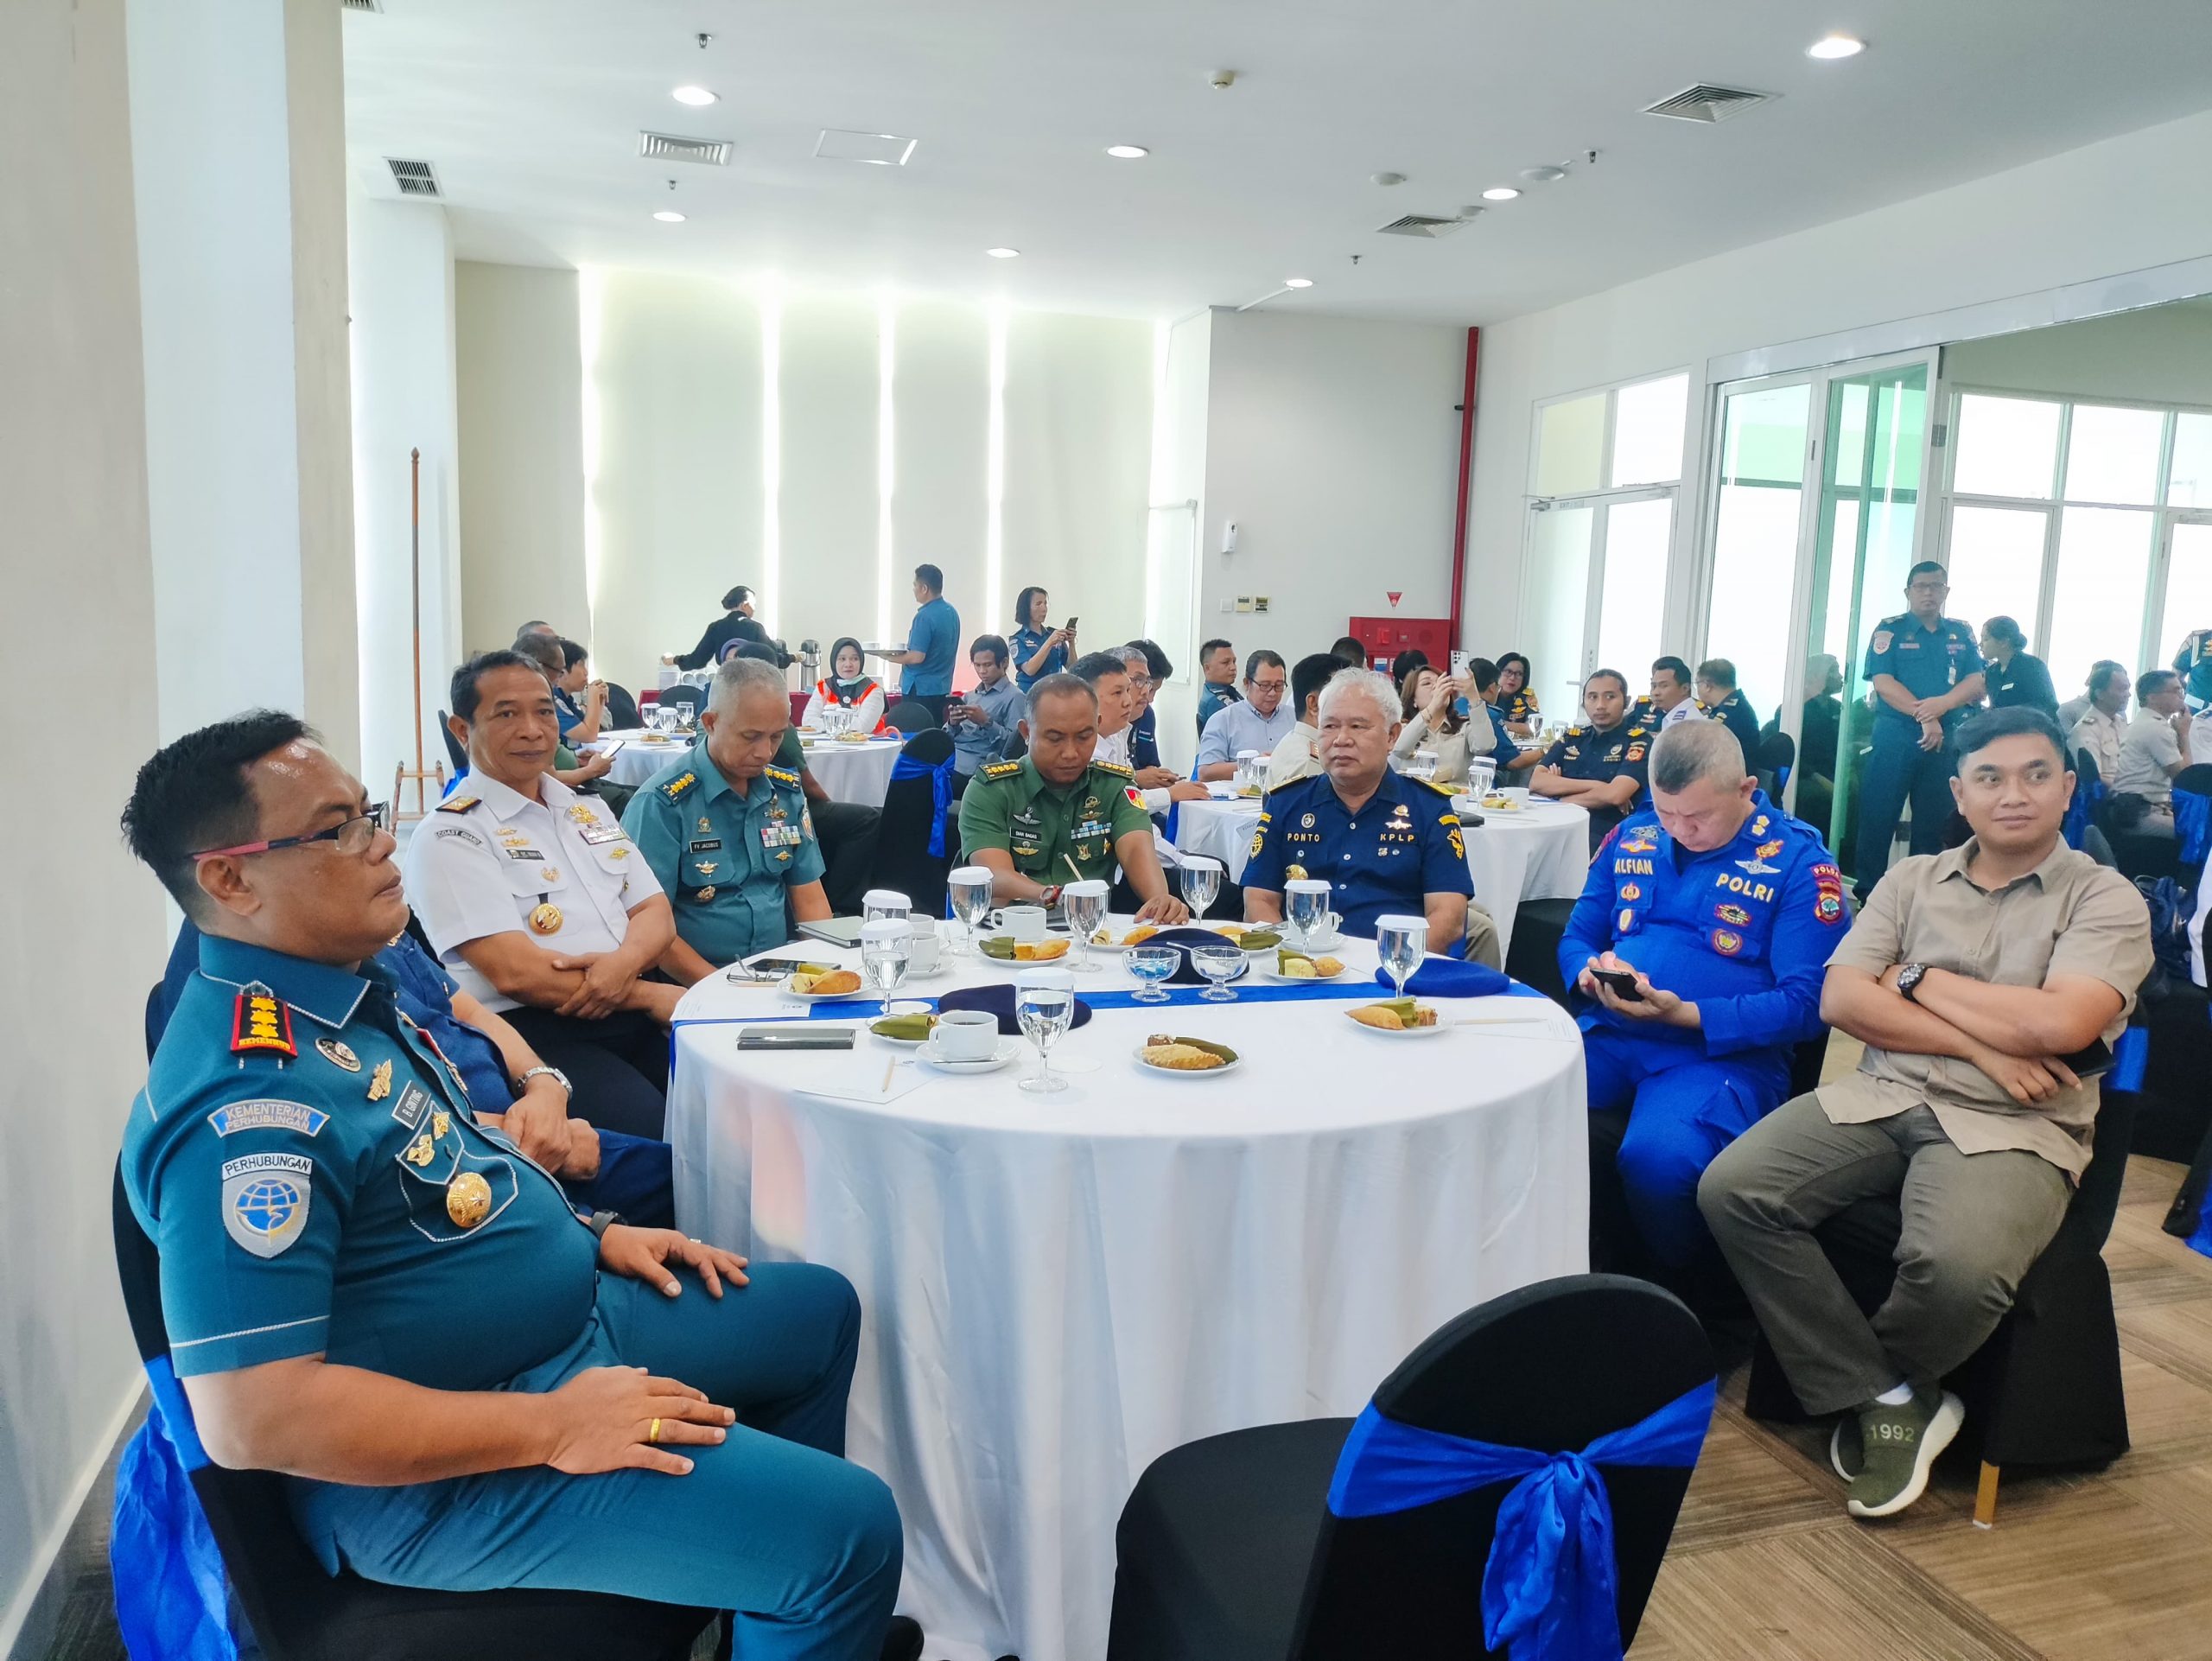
[(1720, 672), (533, 624), (1673, 666), (1508, 660), (1254, 660), (1979, 732), (1923, 569), (737, 597), (993, 643), (1093, 666), (1155, 661), (571, 654), (1406, 662), (464, 698), (1021, 606), (1349, 650), (2101, 673), (1212, 646), (1482, 674), (2005, 629), (1613, 675), (1308, 675), (1063, 685), (760, 651), (2152, 682), (541, 652), (192, 794), (929, 577)]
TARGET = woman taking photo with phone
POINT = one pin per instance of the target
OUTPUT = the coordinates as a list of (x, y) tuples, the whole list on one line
[(1038, 651)]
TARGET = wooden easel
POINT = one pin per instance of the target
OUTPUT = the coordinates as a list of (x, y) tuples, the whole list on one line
[(421, 776)]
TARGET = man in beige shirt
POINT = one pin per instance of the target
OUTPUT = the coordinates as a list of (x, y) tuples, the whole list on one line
[(1967, 975), (1293, 757)]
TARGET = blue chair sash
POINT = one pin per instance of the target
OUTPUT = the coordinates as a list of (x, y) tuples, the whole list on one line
[(2192, 825), (940, 778), (1548, 1590), (172, 1599), (2081, 814)]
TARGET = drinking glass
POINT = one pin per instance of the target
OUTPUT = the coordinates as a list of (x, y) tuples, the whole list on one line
[(885, 947), (1153, 964), (1201, 885), (884, 905), (1401, 942), (1306, 903), (1421, 765), (1220, 965), (1044, 1008), (969, 887), (1083, 905)]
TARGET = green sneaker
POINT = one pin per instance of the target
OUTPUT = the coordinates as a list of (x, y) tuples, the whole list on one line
[(1844, 1453), (1897, 1446)]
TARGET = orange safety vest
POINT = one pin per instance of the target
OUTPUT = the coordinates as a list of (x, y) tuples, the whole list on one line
[(829, 695)]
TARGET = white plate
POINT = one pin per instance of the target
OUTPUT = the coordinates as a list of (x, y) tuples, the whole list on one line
[(864, 991), (1007, 1049), (1230, 1066), (1275, 973), (1404, 1032)]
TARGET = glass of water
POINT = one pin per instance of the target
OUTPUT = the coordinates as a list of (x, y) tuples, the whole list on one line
[(1083, 905), (1220, 965), (886, 948), (883, 905), (1044, 1008), (1421, 765), (1201, 885), (970, 889), (1306, 906), (1152, 964), (1401, 942)]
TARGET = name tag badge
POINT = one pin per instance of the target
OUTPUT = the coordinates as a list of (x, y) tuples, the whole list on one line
[(597, 831), (712, 845), (525, 853)]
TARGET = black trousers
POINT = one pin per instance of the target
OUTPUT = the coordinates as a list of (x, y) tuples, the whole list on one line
[(617, 1065), (847, 833)]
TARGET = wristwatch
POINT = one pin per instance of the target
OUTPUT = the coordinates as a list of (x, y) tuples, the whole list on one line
[(1909, 979), (599, 1221), (542, 1071), (1051, 894)]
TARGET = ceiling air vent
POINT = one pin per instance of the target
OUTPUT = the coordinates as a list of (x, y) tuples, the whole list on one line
[(876, 150), (667, 147), (361, 6), (1707, 103), (1420, 225), (413, 178)]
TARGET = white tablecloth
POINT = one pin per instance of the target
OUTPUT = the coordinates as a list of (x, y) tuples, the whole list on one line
[(1059, 1288), (636, 761), (850, 772), (1542, 852)]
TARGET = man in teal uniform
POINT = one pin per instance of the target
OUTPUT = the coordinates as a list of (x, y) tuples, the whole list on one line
[(370, 1292), (1926, 672), (727, 833), (1599, 766)]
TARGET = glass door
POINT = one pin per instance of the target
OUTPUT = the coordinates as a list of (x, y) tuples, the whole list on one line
[(1601, 570), (2186, 559)]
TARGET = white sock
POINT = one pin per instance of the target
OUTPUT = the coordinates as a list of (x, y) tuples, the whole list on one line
[(1896, 1395)]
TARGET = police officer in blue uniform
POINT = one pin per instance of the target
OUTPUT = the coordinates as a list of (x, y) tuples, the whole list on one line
[(1926, 672), (727, 833), (1723, 910), (1600, 764), (367, 1290), (1384, 843)]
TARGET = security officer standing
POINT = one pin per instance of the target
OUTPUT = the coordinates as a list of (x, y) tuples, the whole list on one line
[(727, 834), (471, 1385), (1385, 844), (538, 904), (1056, 814), (1599, 766), (1926, 671), (1723, 910)]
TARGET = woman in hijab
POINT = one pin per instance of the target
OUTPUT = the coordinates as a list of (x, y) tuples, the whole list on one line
[(847, 684)]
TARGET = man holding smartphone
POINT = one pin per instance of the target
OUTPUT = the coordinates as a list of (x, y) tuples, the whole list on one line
[(1973, 976)]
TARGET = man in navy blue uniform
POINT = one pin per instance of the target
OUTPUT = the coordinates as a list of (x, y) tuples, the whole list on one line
[(1926, 672), (1724, 910), (1600, 764), (1384, 844)]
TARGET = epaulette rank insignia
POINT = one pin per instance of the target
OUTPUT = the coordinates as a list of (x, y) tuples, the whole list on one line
[(457, 803), (1001, 769), (259, 1021), (1445, 791), (676, 787), (1116, 768), (782, 776)]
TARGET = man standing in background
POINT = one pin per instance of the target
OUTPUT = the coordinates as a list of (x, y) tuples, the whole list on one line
[(932, 645)]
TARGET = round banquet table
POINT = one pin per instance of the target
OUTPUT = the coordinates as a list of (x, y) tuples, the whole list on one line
[(638, 760), (1541, 852), (850, 772), (1058, 1288)]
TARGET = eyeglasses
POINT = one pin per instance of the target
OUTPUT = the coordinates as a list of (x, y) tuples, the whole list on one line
[(351, 838)]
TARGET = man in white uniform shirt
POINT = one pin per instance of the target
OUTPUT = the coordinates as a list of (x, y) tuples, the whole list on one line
[(1293, 758), (538, 904), (1255, 725), (1108, 677)]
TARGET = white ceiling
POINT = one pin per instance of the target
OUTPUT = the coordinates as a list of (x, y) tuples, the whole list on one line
[(530, 109)]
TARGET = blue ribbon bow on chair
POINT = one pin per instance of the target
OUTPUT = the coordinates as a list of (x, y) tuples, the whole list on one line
[(2082, 813), (2192, 825), (940, 778), (172, 1600), (1548, 1590)]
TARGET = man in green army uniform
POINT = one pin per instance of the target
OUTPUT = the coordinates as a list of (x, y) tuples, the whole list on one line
[(1056, 815), (727, 833)]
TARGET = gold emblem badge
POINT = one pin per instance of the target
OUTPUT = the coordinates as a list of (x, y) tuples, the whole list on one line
[(1294, 873), (468, 1200), (708, 868), (705, 825), (549, 875), (380, 1082), (420, 1152), (337, 1054), (440, 1123), (579, 813), (1307, 822), (546, 918), (703, 896)]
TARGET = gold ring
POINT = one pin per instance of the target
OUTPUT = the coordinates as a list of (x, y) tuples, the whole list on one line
[(652, 1431)]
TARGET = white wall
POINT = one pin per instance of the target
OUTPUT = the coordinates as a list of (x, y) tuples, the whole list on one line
[(400, 256), (82, 923), (2162, 354), (518, 372), (1334, 444), (1182, 367), (2126, 205)]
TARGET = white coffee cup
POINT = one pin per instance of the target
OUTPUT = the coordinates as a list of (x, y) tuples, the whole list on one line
[(1516, 793), (966, 1035), (925, 949), (1023, 923)]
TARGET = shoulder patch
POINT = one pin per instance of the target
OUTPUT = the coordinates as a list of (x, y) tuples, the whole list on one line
[(783, 776), (1445, 791), (1576, 732), (1116, 768), (458, 803), (676, 787), (1000, 769), (1636, 732)]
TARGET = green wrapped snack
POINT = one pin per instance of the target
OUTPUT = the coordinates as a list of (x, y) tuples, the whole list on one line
[(1000, 946), (911, 1027), (1259, 939)]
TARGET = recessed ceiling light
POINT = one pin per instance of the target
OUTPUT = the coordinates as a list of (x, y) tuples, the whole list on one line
[(1835, 46), (1500, 194), (669, 216), (697, 97), (1004, 253), (1549, 174), (1298, 282), (1127, 152)]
